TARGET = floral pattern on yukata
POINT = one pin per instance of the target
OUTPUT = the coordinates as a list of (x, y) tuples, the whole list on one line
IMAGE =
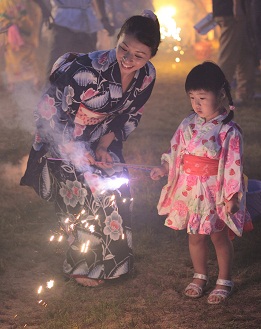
[(196, 203)]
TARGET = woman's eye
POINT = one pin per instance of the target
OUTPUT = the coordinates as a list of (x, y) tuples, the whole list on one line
[(123, 48)]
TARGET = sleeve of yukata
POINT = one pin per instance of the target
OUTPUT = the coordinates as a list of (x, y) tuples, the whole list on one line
[(174, 158), (231, 161), (123, 124)]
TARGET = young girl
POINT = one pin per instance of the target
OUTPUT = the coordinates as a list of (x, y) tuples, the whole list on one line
[(205, 192)]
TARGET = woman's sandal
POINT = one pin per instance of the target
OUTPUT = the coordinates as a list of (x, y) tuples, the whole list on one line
[(199, 291), (221, 294)]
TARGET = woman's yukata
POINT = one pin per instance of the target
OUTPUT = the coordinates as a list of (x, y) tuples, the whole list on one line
[(194, 196), (84, 103)]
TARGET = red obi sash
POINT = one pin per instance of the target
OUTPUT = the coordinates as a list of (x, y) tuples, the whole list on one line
[(200, 166)]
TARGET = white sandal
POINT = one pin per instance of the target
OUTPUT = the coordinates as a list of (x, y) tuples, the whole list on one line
[(221, 294), (195, 287)]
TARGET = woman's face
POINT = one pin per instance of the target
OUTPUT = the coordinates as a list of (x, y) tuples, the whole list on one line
[(131, 54)]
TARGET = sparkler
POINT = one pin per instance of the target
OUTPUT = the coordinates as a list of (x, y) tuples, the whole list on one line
[(115, 164)]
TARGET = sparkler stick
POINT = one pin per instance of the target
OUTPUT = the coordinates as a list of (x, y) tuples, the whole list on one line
[(117, 164)]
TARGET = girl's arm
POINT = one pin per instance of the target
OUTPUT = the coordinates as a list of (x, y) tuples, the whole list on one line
[(161, 171)]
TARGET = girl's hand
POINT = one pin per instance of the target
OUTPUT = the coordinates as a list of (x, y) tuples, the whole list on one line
[(158, 172), (232, 206), (103, 157)]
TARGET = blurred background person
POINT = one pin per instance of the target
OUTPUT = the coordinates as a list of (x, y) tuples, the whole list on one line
[(75, 26), (256, 17), (118, 12), (21, 19), (237, 54)]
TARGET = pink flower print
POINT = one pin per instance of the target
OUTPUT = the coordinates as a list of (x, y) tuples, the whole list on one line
[(177, 136), (207, 227), (194, 222), (169, 222), (215, 122), (191, 180), (175, 146), (230, 159), (89, 93), (203, 179), (72, 192), (78, 130), (234, 144), (146, 81), (113, 226), (46, 107), (232, 186), (222, 136), (180, 207)]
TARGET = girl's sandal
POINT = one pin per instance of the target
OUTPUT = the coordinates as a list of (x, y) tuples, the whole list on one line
[(220, 294), (199, 291)]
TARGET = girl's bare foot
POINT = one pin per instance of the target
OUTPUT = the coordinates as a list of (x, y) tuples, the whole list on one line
[(87, 282)]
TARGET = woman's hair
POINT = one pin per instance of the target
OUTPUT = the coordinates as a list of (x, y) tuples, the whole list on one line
[(209, 77), (145, 29)]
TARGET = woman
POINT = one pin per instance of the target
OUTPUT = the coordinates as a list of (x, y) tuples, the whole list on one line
[(95, 101), (22, 20)]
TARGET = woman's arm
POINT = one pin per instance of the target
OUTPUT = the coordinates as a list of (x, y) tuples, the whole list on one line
[(101, 152)]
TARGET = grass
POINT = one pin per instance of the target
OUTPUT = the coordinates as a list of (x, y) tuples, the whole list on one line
[(152, 298)]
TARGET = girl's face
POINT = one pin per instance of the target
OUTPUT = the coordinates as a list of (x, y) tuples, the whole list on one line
[(206, 103), (131, 54)]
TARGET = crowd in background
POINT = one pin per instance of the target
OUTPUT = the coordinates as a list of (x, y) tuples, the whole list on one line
[(84, 26)]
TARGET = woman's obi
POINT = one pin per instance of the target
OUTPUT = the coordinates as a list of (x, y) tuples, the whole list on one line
[(86, 117), (200, 166)]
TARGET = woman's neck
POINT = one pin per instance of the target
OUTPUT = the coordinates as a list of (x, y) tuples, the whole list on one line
[(126, 80)]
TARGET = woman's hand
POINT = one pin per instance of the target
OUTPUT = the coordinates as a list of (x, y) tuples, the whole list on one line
[(158, 172), (232, 205), (103, 157)]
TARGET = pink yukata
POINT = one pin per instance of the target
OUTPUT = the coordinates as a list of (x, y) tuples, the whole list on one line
[(197, 202)]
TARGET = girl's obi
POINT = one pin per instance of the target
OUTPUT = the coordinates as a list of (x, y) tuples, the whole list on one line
[(200, 166), (85, 117)]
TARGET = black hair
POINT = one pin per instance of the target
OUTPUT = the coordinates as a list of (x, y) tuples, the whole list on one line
[(209, 76), (144, 29)]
